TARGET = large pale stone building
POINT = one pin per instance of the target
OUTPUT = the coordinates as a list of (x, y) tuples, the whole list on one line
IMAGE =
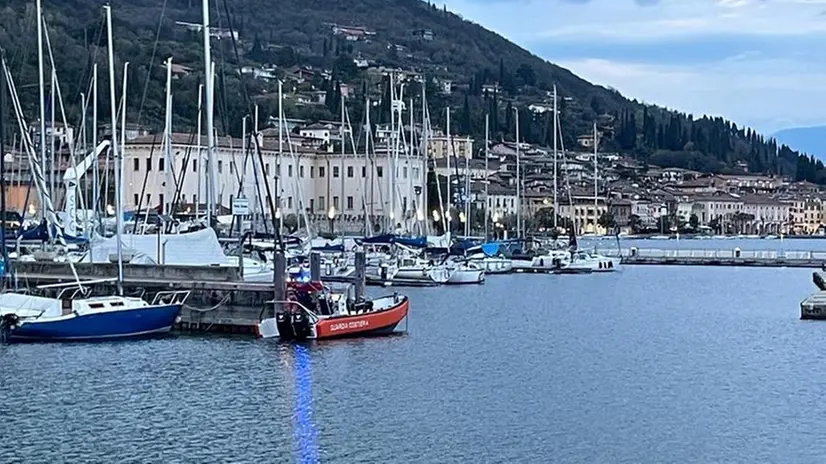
[(305, 180)]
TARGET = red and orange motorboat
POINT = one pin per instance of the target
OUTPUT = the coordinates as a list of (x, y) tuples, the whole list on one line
[(313, 311)]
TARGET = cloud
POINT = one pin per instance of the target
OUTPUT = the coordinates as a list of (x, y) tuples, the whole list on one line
[(755, 61)]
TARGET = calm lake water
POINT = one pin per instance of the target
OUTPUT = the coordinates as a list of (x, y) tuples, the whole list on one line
[(653, 364)]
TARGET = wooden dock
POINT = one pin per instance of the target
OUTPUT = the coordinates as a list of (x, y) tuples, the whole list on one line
[(727, 257), (219, 301)]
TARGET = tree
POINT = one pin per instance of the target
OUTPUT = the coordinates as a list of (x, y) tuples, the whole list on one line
[(694, 222), (526, 75), (607, 220), (634, 223)]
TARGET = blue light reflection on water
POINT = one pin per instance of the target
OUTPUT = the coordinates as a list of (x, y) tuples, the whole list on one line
[(305, 431)]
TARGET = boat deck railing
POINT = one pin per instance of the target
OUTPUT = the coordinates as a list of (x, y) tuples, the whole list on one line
[(170, 298), (288, 303)]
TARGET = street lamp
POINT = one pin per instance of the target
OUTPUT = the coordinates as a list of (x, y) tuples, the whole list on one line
[(278, 213), (420, 215), (331, 215)]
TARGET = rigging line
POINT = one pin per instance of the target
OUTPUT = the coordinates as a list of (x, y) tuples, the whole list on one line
[(223, 102), (151, 63), (237, 57), (87, 72)]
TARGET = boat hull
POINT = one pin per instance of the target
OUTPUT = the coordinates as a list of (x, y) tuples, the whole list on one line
[(467, 276), (363, 325), (128, 323)]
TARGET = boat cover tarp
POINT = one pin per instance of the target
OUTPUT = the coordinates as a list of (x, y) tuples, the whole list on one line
[(29, 305), (40, 233), (414, 242), (490, 249), (200, 248)]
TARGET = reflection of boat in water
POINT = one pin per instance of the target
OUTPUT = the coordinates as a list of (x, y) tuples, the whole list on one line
[(312, 311)]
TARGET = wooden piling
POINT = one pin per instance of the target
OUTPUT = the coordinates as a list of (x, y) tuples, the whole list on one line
[(361, 266), (315, 266), (279, 280)]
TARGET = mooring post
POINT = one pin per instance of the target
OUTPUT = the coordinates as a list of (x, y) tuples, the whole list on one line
[(361, 266), (241, 256), (315, 266), (279, 281)]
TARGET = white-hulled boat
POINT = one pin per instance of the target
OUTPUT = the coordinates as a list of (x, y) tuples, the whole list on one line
[(582, 262), (466, 272), (419, 269)]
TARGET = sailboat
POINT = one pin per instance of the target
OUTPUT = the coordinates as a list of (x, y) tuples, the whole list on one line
[(581, 261), (73, 315)]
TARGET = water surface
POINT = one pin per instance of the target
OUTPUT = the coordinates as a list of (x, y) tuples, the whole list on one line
[(653, 364)]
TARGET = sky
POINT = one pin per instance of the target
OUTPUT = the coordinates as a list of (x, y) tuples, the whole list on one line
[(761, 63)]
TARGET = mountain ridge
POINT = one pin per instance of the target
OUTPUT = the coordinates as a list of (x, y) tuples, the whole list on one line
[(293, 32)]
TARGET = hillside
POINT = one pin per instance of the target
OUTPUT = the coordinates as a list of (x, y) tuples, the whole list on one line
[(488, 73)]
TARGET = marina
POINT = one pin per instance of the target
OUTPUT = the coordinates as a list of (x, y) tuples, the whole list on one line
[(336, 272)]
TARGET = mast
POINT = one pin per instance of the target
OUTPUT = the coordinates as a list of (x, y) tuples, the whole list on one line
[(596, 183), (198, 159), (487, 174), (368, 219), (5, 251), (556, 155), (96, 168), (115, 152), (41, 85), (409, 163), (446, 211), (167, 200), (423, 153), (341, 197), (210, 123), (52, 136), (281, 126), (518, 182)]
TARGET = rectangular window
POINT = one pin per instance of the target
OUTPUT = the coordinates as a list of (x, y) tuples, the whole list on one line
[(335, 203), (194, 165), (290, 170), (415, 173), (349, 171), (161, 202), (148, 164), (267, 169), (231, 167), (349, 203), (363, 172), (149, 200), (335, 171), (379, 171), (289, 202), (312, 202), (404, 172), (312, 172), (136, 165), (137, 199), (161, 164), (195, 199), (301, 172), (321, 203), (220, 166), (321, 171)]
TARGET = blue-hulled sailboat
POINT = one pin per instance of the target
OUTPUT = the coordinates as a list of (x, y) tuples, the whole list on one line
[(74, 315)]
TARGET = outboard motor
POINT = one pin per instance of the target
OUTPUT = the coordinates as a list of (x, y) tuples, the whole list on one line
[(284, 324), (8, 324), (301, 326)]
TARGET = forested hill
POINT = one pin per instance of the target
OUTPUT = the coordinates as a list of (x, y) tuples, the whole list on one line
[(488, 73)]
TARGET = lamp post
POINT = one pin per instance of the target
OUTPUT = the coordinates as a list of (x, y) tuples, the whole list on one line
[(331, 215)]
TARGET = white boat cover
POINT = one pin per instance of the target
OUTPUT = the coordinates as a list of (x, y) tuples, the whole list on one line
[(28, 305), (200, 248)]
